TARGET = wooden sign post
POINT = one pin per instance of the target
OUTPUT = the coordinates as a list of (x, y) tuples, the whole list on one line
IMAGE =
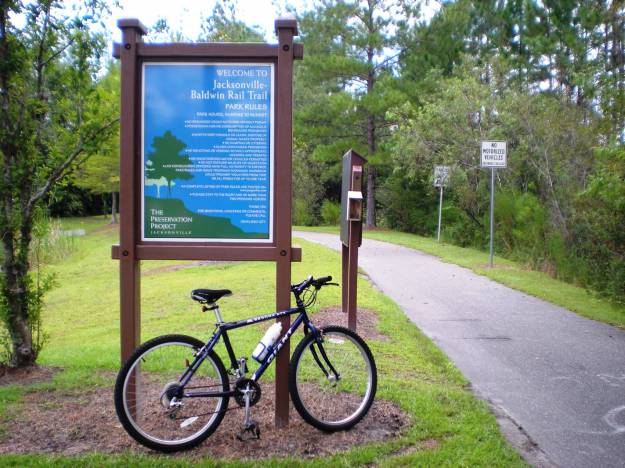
[(205, 163), (351, 231)]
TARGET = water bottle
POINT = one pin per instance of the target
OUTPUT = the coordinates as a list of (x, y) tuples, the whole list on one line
[(271, 335)]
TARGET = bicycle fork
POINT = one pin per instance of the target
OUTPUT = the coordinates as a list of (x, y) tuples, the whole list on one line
[(334, 377)]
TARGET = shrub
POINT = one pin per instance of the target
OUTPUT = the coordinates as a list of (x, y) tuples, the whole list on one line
[(302, 214), (330, 213)]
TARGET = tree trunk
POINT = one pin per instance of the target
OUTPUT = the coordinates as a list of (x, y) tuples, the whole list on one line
[(371, 196), (113, 207), (371, 140), (15, 292)]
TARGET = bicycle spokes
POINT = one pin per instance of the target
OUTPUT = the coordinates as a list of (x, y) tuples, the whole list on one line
[(156, 402), (337, 391)]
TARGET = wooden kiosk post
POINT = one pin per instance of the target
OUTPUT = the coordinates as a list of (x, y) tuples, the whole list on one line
[(148, 231), (351, 232), (129, 267)]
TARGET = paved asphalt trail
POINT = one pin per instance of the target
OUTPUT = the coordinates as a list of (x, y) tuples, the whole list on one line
[(559, 376)]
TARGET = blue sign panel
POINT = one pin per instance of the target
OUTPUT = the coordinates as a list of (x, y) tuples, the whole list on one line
[(207, 148)]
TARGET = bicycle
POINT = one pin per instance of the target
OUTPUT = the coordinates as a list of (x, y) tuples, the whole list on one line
[(173, 391)]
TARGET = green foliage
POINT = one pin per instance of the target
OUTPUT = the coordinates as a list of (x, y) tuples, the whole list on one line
[(307, 189), (331, 213), (48, 246), (51, 118), (548, 165), (302, 215), (599, 225), (50, 243), (100, 172), (347, 82), (409, 205), (222, 25), (521, 225)]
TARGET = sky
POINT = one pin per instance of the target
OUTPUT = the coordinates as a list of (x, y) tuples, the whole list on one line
[(187, 14)]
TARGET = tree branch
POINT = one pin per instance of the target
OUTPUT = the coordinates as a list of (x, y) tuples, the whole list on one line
[(62, 169), (387, 60), (57, 53), (44, 32)]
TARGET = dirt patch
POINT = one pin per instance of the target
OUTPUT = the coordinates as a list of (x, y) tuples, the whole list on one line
[(366, 322), (26, 376), (179, 266), (71, 423)]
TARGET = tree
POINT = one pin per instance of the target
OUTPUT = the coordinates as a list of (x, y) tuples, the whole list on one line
[(166, 161), (100, 173), (351, 53), (223, 26), (51, 117), (600, 238)]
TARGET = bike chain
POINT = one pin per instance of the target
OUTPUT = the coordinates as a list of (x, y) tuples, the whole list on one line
[(212, 412)]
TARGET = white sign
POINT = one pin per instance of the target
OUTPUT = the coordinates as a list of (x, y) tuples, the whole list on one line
[(494, 154), (441, 176)]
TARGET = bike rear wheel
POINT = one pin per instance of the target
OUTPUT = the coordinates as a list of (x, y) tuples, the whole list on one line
[(323, 401), (149, 403)]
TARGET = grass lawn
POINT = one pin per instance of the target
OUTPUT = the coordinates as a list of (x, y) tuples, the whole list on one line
[(82, 319), (506, 272)]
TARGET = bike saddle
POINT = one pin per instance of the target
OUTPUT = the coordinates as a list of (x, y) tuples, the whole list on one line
[(209, 295)]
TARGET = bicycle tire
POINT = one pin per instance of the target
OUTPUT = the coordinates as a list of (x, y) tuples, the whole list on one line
[(154, 404), (315, 397)]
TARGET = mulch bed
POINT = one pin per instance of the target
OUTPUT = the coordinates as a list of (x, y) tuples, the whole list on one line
[(27, 376), (366, 322), (72, 423)]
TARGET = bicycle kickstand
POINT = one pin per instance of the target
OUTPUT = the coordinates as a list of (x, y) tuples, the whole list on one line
[(249, 429)]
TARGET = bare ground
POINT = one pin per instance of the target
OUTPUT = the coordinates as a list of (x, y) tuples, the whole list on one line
[(71, 423), (366, 322), (26, 376)]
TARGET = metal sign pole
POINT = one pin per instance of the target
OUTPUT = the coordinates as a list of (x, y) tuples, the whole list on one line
[(440, 212), (493, 154), (492, 213)]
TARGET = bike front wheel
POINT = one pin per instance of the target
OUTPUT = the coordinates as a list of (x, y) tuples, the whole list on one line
[(150, 403), (328, 402)]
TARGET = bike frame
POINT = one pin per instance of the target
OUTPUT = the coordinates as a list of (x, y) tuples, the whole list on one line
[(222, 331)]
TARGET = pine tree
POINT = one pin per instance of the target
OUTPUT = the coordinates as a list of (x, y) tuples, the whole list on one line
[(352, 52)]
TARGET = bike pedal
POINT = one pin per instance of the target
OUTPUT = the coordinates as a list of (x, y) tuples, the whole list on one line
[(249, 432)]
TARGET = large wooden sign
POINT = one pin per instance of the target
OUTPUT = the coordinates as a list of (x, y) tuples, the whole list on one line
[(205, 146)]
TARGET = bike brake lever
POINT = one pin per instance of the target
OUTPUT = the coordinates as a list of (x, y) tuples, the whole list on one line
[(331, 284)]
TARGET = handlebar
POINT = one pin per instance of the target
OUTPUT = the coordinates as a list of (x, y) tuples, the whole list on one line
[(310, 281)]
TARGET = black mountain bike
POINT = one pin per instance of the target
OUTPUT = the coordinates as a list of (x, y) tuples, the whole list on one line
[(174, 390)]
